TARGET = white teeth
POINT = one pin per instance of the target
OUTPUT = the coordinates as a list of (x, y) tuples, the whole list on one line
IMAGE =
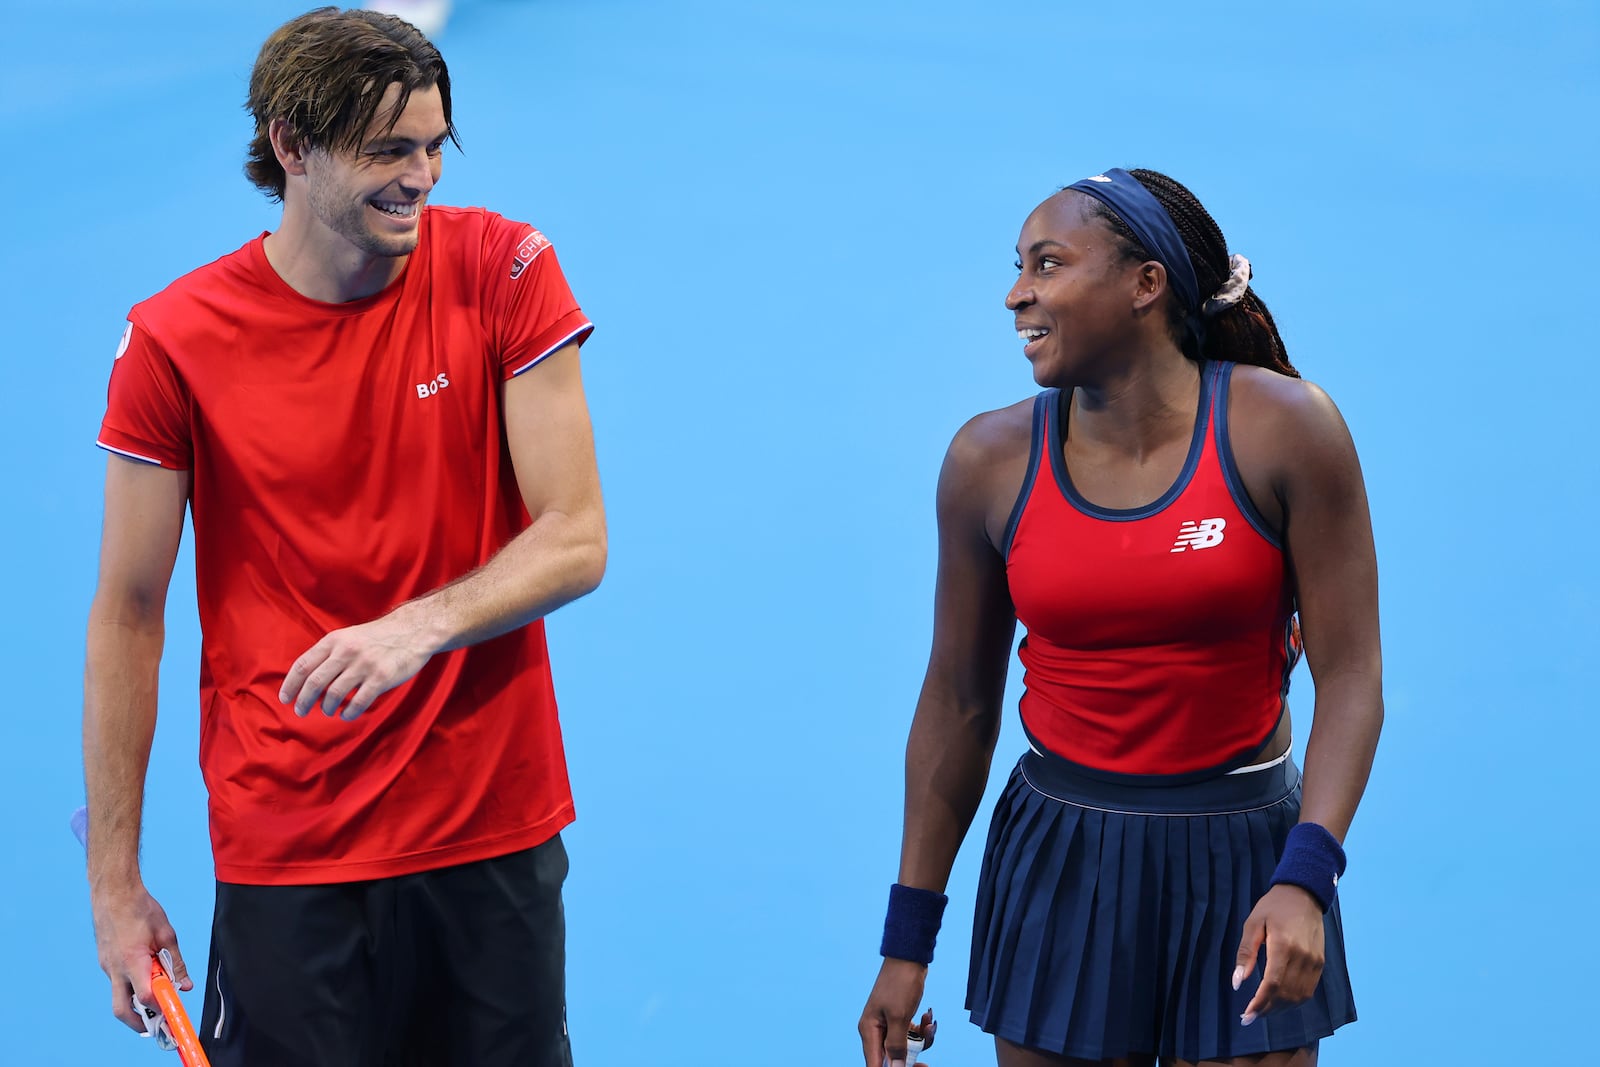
[(404, 211), (1030, 335)]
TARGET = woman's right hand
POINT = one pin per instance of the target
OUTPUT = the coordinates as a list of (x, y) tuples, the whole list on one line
[(890, 1010)]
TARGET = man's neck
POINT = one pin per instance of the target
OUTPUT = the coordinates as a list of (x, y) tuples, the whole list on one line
[(320, 265)]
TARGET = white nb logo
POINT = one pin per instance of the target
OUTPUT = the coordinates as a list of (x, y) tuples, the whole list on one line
[(1207, 533)]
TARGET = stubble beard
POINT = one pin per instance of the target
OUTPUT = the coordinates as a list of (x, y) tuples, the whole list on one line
[(348, 218)]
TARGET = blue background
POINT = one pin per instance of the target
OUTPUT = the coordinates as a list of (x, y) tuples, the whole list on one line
[(793, 224)]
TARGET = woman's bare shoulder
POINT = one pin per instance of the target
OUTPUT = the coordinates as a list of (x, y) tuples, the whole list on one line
[(985, 468), (1282, 425), (994, 436), (1265, 394)]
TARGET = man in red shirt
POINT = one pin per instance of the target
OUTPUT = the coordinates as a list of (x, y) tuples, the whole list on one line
[(376, 419)]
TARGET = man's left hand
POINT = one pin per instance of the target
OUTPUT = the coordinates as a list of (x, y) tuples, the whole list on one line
[(354, 666)]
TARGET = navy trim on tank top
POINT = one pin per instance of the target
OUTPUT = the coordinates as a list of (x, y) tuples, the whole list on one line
[(1291, 660), (1041, 412), (1230, 470), (1064, 781), (1197, 440), (1232, 763)]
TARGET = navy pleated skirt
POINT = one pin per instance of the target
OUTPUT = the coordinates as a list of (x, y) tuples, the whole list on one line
[(1109, 916)]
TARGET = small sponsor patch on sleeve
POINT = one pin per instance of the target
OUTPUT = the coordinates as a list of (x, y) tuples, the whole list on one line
[(534, 243), (122, 345)]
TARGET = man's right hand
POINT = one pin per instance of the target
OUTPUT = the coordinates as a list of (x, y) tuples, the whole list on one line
[(129, 929), (890, 1009)]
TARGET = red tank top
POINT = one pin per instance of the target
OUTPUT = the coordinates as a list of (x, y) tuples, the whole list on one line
[(1159, 639)]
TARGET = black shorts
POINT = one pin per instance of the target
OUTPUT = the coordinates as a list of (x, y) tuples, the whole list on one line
[(457, 967)]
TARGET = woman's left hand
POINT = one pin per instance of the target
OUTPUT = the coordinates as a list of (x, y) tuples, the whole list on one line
[(1288, 921)]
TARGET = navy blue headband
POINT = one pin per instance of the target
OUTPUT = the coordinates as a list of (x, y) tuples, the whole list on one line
[(1150, 223)]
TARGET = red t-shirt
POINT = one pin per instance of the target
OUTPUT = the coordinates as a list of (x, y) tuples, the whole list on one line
[(1160, 639), (344, 459)]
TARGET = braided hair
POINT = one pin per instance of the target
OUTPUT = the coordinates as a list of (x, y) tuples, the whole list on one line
[(1243, 333)]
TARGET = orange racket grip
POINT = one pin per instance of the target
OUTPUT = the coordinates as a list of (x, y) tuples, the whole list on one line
[(178, 1024)]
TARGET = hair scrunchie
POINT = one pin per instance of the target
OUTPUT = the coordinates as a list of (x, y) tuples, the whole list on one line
[(1232, 291)]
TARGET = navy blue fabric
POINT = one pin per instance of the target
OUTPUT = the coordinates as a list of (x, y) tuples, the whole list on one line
[(912, 923), (1041, 411), (1312, 859), (1108, 917), (1149, 221)]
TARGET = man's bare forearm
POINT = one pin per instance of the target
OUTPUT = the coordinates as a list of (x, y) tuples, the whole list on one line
[(119, 721), (556, 560)]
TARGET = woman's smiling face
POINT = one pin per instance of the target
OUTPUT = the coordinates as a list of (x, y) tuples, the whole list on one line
[(1077, 297)]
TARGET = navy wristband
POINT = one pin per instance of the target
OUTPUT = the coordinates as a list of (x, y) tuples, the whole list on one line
[(912, 925), (1312, 860)]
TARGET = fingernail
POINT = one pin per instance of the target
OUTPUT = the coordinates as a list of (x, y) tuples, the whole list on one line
[(897, 1063), (1247, 1018), (1238, 978)]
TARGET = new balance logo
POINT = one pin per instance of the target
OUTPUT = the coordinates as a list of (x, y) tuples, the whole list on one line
[(1207, 533)]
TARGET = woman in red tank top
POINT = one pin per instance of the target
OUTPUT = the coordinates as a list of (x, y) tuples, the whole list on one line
[(1165, 519)]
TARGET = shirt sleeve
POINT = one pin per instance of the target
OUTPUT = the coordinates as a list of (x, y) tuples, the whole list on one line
[(529, 310), (147, 405)]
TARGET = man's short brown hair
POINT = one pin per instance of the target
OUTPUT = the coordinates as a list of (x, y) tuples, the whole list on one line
[(325, 73)]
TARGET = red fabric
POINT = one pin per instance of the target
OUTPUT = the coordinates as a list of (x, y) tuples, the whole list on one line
[(346, 458), (1152, 648)]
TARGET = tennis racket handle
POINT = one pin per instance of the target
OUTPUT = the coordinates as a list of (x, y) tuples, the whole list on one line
[(178, 1024)]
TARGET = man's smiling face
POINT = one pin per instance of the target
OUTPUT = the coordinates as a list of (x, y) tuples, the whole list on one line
[(372, 195)]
